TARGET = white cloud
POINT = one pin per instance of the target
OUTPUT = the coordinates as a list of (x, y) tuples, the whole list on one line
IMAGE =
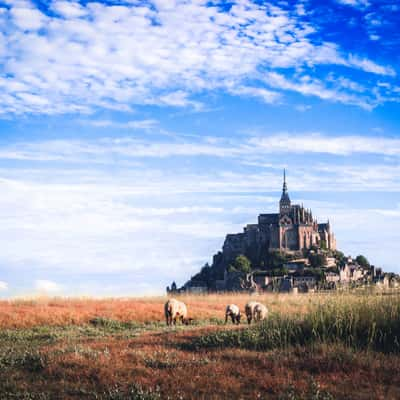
[(303, 107), (250, 149), (370, 66), (338, 145), (45, 286), (3, 285), (355, 3), (314, 87), (246, 149), (267, 96), (84, 56), (28, 18), (69, 9), (145, 124)]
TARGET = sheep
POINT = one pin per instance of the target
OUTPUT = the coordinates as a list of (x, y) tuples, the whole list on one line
[(249, 310), (233, 311), (174, 310), (260, 312)]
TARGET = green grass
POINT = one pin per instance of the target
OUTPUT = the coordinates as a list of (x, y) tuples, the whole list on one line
[(372, 323)]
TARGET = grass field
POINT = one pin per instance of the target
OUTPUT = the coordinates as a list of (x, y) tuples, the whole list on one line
[(315, 346)]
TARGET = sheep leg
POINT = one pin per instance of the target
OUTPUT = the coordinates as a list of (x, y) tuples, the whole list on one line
[(233, 318), (226, 318)]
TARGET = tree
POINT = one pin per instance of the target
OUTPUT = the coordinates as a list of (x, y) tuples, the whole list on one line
[(276, 259), (317, 260), (318, 273), (280, 271), (323, 245), (241, 264), (361, 260), (340, 258)]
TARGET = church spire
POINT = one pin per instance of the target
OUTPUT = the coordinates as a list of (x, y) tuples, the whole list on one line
[(284, 188), (284, 204)]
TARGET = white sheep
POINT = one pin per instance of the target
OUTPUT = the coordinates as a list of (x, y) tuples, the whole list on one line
[(232, 311), (249, 310), (260, 312), (174, 310)]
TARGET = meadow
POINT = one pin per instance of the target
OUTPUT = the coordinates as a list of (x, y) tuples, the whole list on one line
[(312, 346)]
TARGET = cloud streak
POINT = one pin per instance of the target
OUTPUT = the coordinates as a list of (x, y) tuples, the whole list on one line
[(104, 150), (74, 57)]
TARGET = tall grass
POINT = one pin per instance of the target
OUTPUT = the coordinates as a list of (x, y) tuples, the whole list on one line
[(358, 322)]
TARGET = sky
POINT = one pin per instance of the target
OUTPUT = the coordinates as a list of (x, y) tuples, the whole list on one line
[(134, 135)]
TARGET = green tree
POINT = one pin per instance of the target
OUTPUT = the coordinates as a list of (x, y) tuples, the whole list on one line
[(361, 260), (318, 273), (340, 258), (241, 264), (317, 260), (276, 259)]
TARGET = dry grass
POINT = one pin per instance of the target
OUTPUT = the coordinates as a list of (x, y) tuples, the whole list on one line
[(25, 313), (50, 350)]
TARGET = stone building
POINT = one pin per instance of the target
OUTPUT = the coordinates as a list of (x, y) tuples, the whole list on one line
[(292, 229)]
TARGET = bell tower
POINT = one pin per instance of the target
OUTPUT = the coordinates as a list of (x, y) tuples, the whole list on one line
[(284, 203)]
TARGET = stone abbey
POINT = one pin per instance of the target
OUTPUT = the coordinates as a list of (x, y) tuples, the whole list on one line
[(292, 229)]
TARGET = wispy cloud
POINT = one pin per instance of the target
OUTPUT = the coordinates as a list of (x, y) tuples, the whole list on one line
[(44, 286), (338, 92), (3, 285), (145, 124), (337, 145), (77, 57), (104, 150), (355, 3)]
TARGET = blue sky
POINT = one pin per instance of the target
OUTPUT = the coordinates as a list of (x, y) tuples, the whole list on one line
[(135, 134)]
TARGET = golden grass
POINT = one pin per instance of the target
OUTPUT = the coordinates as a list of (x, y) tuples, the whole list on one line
[(25, 313)]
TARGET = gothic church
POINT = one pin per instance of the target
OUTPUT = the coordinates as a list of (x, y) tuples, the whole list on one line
[(292, 229)]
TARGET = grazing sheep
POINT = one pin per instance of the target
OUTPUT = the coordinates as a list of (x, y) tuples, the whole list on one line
[(260, 312), (249, 310), (233, 311), (174, 310)]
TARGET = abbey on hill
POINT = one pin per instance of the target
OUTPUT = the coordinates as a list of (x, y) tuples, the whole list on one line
[(284, 251), (292, 229)]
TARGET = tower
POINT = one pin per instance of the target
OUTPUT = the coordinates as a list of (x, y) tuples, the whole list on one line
[(284, 203)]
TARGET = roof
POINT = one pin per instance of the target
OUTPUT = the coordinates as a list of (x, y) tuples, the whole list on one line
[(285, 198), (268, 218)]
